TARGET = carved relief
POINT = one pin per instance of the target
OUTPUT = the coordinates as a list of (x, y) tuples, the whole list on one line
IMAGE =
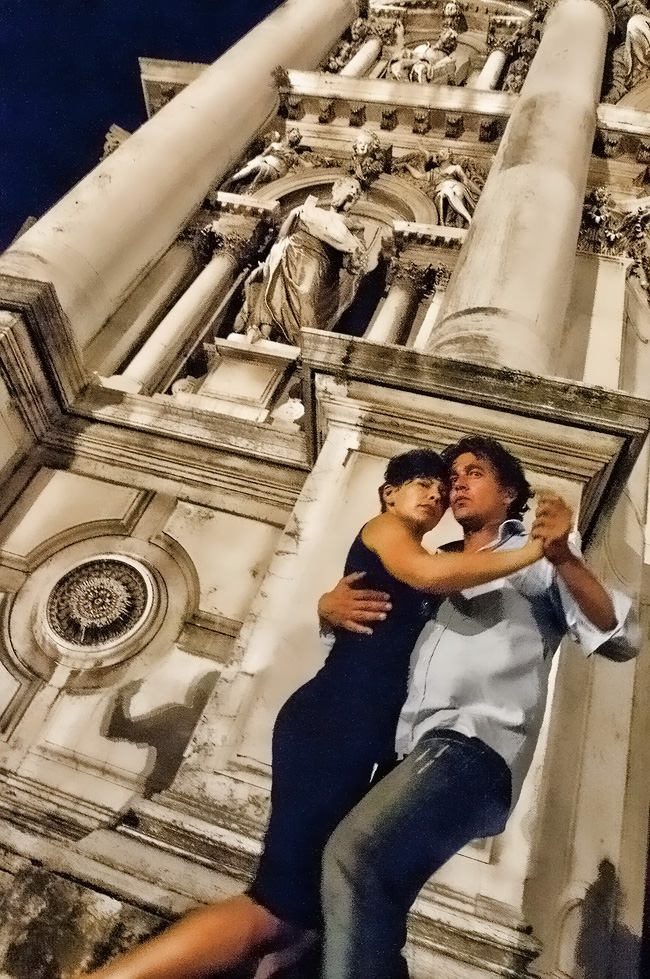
[(359, 32), (427, 62), (114, 138), (630, 59), (98, 603), (422, 277), (276, 159), (454, 188), (369, 158), (522, 48), (620, 229)]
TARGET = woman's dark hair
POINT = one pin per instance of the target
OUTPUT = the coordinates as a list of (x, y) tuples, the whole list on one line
[(508, 469), (416, 464)]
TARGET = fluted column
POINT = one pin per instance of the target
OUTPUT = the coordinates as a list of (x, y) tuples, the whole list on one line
[(98, 241), (491, 70), (509, 294), (364, 59)]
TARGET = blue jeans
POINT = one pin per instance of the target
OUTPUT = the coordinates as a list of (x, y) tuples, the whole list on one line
[(450, 790)]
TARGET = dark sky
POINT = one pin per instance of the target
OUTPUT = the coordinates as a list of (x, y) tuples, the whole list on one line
[(69, 69)]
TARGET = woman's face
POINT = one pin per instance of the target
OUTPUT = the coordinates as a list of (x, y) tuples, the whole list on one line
[(420, 502)]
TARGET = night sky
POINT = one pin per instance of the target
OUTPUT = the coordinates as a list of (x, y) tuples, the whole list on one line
[(69, 69)]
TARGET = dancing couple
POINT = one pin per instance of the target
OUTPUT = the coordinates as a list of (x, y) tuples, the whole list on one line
[(416, 734)]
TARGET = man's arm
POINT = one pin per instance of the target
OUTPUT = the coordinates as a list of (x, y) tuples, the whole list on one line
[(346, 607), (553, 524)]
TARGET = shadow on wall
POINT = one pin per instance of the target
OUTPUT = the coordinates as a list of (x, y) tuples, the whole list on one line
[(166, 730), (605, 949)]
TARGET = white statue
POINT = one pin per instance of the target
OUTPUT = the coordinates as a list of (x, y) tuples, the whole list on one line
[(452, 190), (275, 161), (425, 62), (631, 59), (311, 274)]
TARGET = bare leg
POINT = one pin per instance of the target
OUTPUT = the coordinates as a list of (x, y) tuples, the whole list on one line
[(217, 937)]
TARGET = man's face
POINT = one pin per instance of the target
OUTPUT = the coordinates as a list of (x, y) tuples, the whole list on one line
[(477, 497), (421, 502)]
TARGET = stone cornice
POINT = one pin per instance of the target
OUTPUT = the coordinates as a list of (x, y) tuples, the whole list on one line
[(604, 413), (39, 306), (216, 475), (379, 90)]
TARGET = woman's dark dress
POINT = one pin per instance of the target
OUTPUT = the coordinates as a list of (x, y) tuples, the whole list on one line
[(327, 739)]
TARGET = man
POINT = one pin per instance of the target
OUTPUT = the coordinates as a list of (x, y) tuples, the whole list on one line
[(473, 711)]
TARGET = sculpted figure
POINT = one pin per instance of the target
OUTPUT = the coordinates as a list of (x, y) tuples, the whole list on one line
[(312, 272), (368, 158), (425, 62), (277, 158), (454, 193), (630, 60)]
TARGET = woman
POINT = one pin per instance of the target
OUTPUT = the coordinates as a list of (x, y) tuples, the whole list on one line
[(332, 732)]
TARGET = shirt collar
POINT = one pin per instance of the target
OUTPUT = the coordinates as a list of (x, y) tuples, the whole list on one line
[(509, 528)]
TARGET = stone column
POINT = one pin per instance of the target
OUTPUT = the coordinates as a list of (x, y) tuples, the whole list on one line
[(364, 59), (491, 70), (100, 239), (396, 314), (154, 360), (239, 231), (426, 328), (508, 296)]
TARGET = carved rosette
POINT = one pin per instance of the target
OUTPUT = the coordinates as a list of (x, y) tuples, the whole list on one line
[(98, 603)]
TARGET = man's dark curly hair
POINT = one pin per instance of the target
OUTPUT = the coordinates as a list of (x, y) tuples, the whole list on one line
[(416, 464), (509, 470)]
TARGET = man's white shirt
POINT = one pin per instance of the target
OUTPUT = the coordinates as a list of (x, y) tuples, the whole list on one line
[(481, 665)]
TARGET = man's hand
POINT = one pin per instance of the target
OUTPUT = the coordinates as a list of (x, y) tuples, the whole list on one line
[(552, 525), (350, 608)]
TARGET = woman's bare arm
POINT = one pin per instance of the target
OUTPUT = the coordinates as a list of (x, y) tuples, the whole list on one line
[(442, 574)]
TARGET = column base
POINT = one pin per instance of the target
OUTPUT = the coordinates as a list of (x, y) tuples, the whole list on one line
[(490, 335)]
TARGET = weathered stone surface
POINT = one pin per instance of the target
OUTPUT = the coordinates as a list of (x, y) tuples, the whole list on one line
[(51, 927)]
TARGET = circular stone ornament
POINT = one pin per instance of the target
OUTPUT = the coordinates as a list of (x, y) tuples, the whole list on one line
[(93, 605), (99, 603)]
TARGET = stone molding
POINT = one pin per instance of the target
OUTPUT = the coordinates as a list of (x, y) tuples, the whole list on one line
[(442, 923), (39, 307), (221, 461), (389, 197), (604, 413)]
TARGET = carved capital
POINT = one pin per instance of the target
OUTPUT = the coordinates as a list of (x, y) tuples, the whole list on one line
[(443, 275), (501, 32), (114, 138), (420, 278)]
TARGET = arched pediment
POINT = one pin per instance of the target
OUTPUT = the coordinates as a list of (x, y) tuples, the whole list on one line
[(389, 199)]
